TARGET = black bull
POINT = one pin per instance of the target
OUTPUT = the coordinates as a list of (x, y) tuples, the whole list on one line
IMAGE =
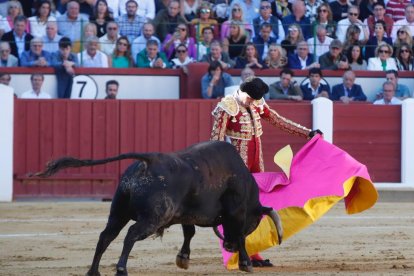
[(206, 185)]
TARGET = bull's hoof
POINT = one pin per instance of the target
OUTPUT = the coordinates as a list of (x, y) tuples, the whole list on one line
[(245, 266), (121, 271), (182, 260), (93, 273)]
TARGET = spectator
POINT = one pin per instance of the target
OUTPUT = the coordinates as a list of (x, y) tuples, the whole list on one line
[(42, 16), (18, 38), (51, 39), (36, 56), (89, 30), (401, 92), (389, 98), (348, 91), (395, 9), (276, 57), (146, 8), (286, 88), (355, 58), (383, 60), (166, 21), (204, 19), (302, 59), (5, 79), (7, 59), (189, 9), (181, 59), (408, 21), (151, 57), (324, 18), (108, 41), (180, 36), (234, 43), (334, 59), (277, 30), (367, 8), (352, 37), (249, 58), (379, 15), (111, 89), (404, 35), (404, 58), (314, 88), (319, 44), (85, 7), (204, 45), (101, 17), (214, 82), (121, 57), (311, 7), (64, 63), (378, 37), (344, 24), (71, 22), (140, 42), (298, 17), (263, 40), (237, 15), (292, 39), (281, 8), (217, 54), (92, 57), (339, 9), (14, 9), (130, 24), (251, 8), (36, 91)]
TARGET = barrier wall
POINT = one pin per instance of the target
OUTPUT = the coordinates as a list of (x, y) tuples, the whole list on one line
[(46, 130)]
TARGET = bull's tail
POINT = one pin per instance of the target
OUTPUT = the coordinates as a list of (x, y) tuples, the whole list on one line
[(69, 162)]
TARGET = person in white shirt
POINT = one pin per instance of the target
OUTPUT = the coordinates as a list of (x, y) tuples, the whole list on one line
[(407, 21), (140, 42), (92, 57), (37, 80), (320, 44), (388, 89), (42, 17), (353, 13), (108, 41), (146, 8)]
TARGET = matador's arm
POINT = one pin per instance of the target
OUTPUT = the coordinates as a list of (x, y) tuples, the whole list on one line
[(281, 122), (220, 124)]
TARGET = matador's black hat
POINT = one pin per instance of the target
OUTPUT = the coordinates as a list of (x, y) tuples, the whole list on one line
[(254, 87)]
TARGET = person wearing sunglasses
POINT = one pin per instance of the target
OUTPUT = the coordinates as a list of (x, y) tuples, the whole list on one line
[(334, 59), (181, 59), (352, 19), (407, 21), (251, 8), (299, 17), (180, 36), (404, 58), (383, 60), (404, 35), (235, 14), (205, 18), (324, 18), (108, 41), (122, 57), (277, 30)]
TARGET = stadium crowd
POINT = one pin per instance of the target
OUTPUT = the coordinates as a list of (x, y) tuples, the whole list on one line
[(344, 35)]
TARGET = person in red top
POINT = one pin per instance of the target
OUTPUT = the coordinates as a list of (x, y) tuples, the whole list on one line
[(237, 119), (396, 9)]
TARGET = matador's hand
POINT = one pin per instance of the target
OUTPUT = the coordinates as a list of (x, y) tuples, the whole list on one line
[(314, 132)]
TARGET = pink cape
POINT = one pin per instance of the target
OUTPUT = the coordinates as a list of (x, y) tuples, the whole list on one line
[(317, 177)]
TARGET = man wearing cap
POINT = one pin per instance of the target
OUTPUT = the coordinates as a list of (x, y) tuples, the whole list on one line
[(237, 120), (334, 59)]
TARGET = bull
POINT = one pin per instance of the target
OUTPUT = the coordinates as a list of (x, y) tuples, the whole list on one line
[(206, 185)]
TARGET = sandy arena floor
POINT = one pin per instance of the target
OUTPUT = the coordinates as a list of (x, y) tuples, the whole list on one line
[(59, 238)]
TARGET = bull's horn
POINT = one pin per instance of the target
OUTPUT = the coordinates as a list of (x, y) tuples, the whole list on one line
[(278, 223), (218, 234)]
